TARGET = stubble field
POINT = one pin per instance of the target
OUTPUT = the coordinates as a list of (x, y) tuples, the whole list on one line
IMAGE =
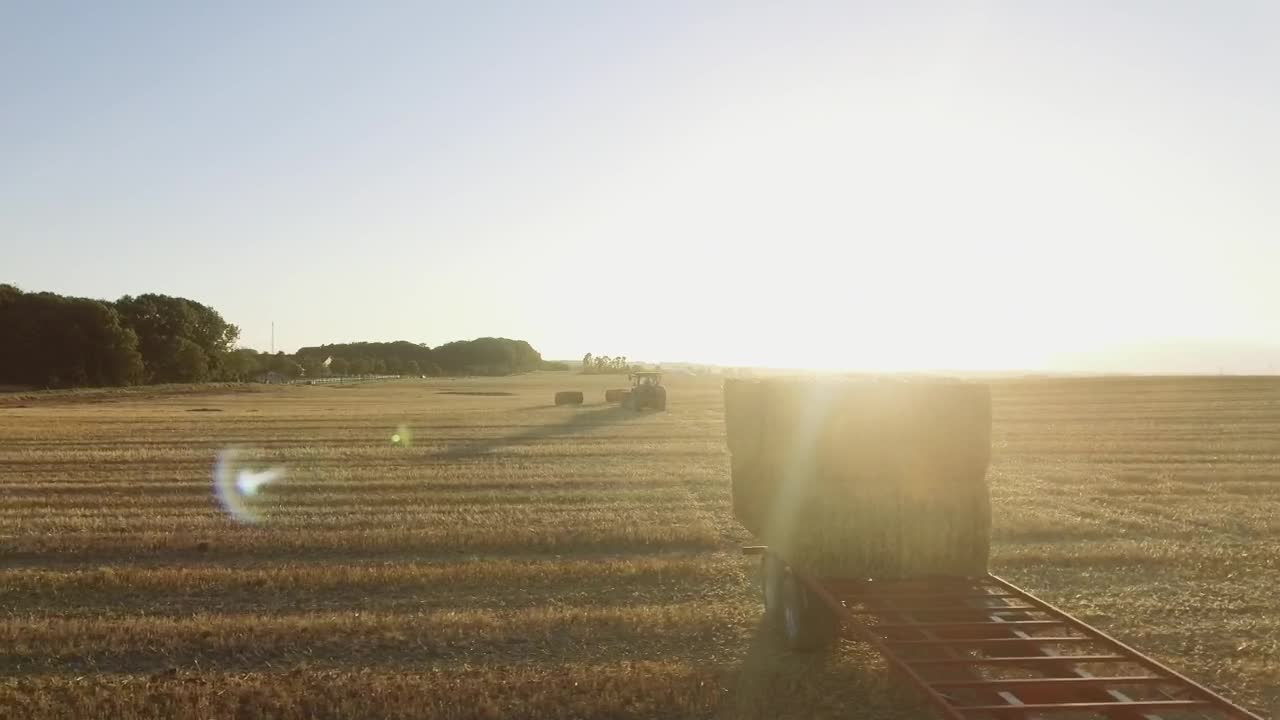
[(521, 560)]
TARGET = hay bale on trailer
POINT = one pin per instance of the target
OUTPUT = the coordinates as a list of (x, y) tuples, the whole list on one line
[(616, 395), (569, 397), (864, 478)]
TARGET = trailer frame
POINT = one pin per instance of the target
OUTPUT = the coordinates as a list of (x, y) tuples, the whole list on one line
[(982, 648)]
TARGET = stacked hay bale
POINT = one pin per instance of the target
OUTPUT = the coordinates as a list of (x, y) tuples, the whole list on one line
[(569, 397), (616, 395), (880, 478)]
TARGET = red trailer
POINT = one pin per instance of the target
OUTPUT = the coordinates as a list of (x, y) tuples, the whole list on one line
[(983, 649)]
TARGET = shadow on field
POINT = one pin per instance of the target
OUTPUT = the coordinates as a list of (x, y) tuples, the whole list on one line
[(769, 668), (579, 422), (773, 682)]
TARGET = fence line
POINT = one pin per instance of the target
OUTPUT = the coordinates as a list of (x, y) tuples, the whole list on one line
[(342, 379)]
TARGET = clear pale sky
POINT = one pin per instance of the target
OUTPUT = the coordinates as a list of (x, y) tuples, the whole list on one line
[(914, 185)]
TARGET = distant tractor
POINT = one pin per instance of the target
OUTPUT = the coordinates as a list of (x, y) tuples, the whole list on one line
[(647, 391)]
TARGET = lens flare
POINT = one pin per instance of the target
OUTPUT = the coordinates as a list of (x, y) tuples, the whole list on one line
[(236, 486), (402, 437)]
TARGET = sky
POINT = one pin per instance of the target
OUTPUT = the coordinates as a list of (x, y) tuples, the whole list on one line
[(981, 185)]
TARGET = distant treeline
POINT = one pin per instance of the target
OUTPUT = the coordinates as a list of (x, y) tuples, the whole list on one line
[(482, 356), (49, 340), (603, 364)]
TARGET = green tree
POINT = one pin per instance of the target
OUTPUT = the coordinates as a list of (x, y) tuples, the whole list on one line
[(485, 356), (412, 368), (160, 321), (390, 352), (54, 341), (488, 356), (339, 366), (285, 365), (361, 366), (239, 365), (108, 350), (183, 361), (313, 367)]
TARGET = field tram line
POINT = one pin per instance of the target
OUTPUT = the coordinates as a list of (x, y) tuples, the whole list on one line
[(1153, 522), (257, 557)]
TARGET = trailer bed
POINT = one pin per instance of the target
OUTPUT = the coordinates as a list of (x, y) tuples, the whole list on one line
[(985, 649)]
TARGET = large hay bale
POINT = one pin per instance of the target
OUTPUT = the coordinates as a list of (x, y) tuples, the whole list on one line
[(616, 394), (864, 478), (569, 397)]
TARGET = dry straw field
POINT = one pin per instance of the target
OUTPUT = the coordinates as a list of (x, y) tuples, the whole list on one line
[(522, 560)]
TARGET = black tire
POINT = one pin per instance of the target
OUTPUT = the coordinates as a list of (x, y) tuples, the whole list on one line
[(660, 398), (807, 623), (772, 571)]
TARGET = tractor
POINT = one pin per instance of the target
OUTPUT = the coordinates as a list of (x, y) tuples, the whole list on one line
[(647, 391)]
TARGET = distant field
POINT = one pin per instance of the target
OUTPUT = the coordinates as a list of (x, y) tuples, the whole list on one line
[(522, 560)]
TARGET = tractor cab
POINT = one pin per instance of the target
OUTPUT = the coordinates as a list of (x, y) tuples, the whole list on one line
[(645, 378), (647, 391)]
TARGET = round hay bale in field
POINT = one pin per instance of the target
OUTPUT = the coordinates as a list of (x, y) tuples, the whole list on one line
[(569, 397), (616, 394)]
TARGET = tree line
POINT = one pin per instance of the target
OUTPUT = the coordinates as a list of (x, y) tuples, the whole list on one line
[(603, 364), (55, 341), (50, 340), (482, 356)]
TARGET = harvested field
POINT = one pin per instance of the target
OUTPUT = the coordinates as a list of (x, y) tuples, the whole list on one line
[(522, 560)]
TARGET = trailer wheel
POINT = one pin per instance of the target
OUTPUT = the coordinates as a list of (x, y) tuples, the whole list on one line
[(807, 623)]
